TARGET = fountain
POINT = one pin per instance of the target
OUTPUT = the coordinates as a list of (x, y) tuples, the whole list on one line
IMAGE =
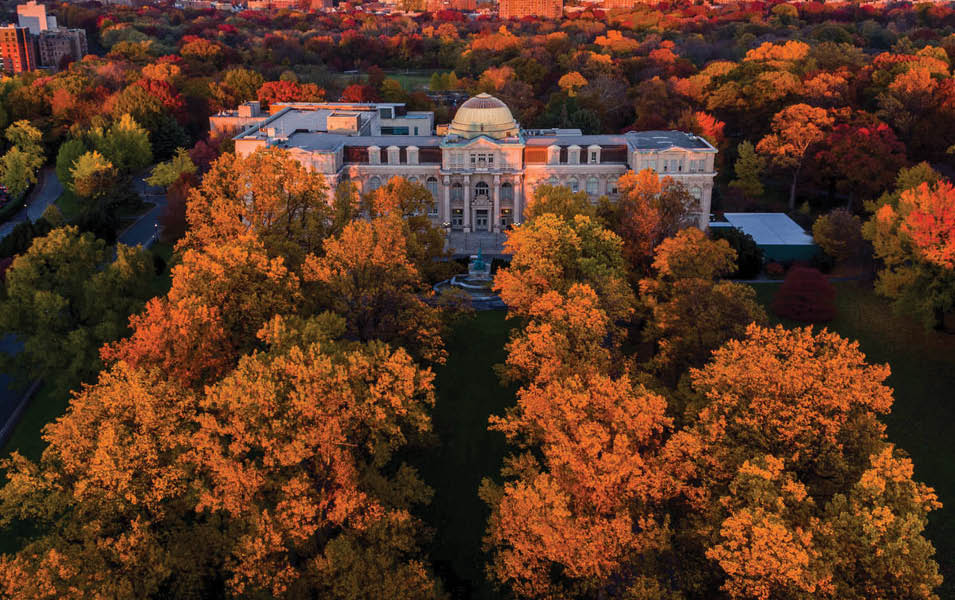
[(477, 282)]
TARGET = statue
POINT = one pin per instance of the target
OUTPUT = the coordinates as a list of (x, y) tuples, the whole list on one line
[(478, 269)]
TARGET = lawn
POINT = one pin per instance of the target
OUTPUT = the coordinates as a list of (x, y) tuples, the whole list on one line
[(411, 81), (468, 393), (923, 377)]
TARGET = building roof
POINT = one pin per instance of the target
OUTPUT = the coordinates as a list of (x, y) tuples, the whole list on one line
[(483, 115), (770, 229), (645, 141)]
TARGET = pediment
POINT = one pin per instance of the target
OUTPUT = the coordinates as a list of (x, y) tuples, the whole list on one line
[(481, 143)]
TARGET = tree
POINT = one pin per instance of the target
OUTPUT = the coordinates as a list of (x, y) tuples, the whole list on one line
[(649, 211), (21, 134), (412, 203), (268, 194), (66, 157), (19, 165), (749, 168), (559, 200), (18, 170), (571, 82), (749, 256), (93, 176), (861, 159), (551, 253), (111, 499), (839, 234), (359, 93), (914, 272), (317, 487), (806, 295), (63, 304), (689, 312), (167, 173), (367, 277), (795, 130), (125, 144), (289, 91)]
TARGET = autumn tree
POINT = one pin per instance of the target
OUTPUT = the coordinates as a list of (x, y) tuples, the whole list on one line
[(111, 499), (411, 202), (794, 467), (317, 488), (806, 295), (63, 303), (66, 157), (367, 276), (125, 144), (795, 130), (910, 231), (649, 210), (268, 194), (558, 200), (689, 311)]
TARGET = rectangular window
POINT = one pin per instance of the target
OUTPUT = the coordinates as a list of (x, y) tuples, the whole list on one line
[(593, 157)]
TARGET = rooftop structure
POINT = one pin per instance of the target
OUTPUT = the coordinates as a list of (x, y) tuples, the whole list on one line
[(781, 238)]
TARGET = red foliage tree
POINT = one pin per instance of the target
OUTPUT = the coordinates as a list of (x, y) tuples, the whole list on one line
[(289, 91), (359, 93), (806, 295)]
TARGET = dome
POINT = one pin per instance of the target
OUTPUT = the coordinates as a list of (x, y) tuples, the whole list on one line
[(483, 115)]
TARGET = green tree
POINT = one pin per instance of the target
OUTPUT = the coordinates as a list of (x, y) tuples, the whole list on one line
[(167, 173), (64, 305), (559, 200), (125, 144), (25, 137), (18, 170), (69, 151), (749, 169)]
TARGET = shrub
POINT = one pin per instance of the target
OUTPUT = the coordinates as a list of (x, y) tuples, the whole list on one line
[(839, 234), (805, 296), (749, 256), (775, 269)]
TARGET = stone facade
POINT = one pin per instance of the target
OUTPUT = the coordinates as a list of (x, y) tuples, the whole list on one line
[(485, 167)]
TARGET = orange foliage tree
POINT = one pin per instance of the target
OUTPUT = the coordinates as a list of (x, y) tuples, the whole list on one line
[(268, 194), (649, 211), (367, 277), (795, 130)]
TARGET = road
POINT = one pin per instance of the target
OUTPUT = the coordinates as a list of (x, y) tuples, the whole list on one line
[(143, 232), (47, 190)]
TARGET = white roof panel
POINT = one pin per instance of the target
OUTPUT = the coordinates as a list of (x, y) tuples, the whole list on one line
[(770, 229)]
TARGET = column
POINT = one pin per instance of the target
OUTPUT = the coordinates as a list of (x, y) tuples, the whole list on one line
[(496, 215), (519, 200), (446, 199), (467, 204)]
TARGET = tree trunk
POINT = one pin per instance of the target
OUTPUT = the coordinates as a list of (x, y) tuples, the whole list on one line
[(792, 190)]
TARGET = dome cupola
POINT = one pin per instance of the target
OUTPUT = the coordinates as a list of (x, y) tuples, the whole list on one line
[(483, 115)]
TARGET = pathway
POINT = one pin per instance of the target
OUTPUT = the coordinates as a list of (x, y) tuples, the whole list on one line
[(45, 193)]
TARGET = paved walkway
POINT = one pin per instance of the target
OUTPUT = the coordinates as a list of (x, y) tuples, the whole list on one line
[(145, 231), (45, 193)]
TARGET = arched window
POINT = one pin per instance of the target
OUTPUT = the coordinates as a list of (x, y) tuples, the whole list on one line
[(574, 185), (697, 193), (481, 189), (593, 186), (553, 181), (433, 186), (457, 193), (373, 184), (507, 192), (412, 180)]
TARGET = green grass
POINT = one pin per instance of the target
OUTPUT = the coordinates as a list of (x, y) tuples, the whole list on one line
[(923, 378), (411, 81), (468, 392)]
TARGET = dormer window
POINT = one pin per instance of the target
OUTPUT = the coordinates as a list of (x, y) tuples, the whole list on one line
[(593, 154), (573, 155), (374, 155), (553, 155), (412, 155), (394, 154)]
